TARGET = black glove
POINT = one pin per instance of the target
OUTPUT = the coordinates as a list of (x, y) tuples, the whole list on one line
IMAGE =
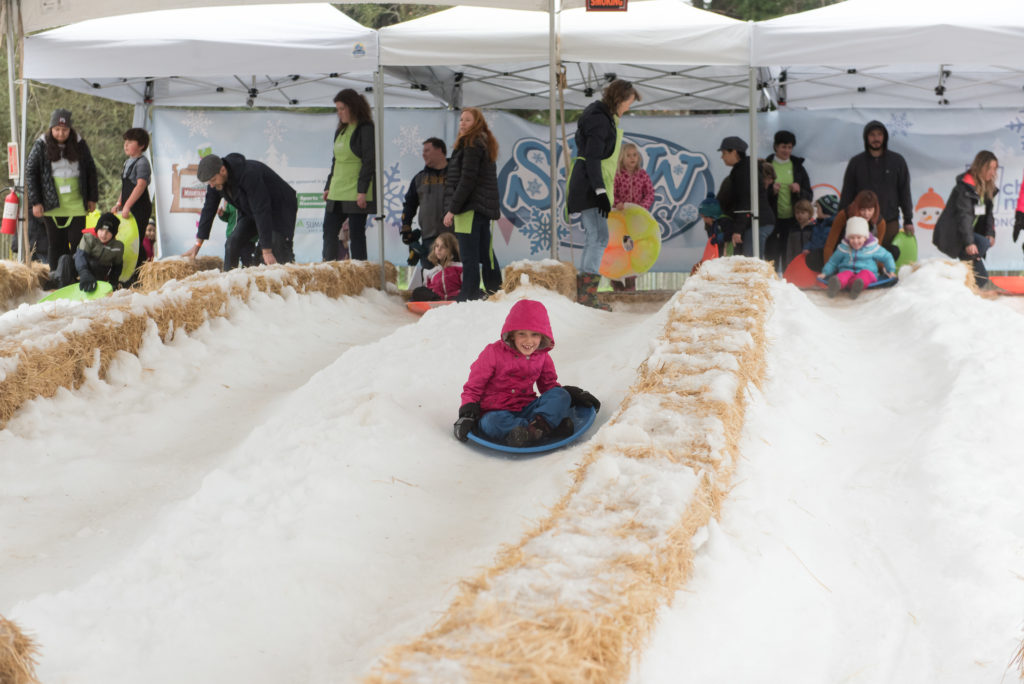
[(410, 236), (579, 397), (603, 204), (468, 415), (86, 281), (1018, 224)]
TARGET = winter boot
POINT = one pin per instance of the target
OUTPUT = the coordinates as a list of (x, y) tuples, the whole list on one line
[(563, 430), (539, 428), (833, 286), (518, 437), (856, 287), (586, 290)]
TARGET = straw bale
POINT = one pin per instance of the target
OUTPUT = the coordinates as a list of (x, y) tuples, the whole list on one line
[(18, 655), (18, 281), (483, 639), (560, 277), (115, 326)]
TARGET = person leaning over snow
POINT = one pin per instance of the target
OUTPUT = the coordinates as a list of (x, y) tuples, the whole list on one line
[(966, 229), (98, 257), (854, 264), (498, 399)]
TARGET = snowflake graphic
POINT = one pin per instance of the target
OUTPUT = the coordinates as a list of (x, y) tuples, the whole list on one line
[(1017, 126), (394, 192), (538, 158), (274, 130), (409, 140), (535, 225), (197, 122), (534, 187), (899, 124)]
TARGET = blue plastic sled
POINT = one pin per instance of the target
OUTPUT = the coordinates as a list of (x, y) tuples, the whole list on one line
[(582, 418), (883, 282)]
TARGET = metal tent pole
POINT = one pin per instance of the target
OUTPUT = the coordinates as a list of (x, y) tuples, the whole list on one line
[(755, 232)]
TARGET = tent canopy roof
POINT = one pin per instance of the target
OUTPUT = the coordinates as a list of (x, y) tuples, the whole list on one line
[(275, 55)]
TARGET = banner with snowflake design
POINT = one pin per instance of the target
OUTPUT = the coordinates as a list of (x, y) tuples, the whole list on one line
[(679, 153)]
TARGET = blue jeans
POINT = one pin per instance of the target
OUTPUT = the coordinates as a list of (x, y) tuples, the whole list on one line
[(476, 254), (595, 229), (553, 405), (762, 238)]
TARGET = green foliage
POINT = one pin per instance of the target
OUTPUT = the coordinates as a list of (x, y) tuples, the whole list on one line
[(101, 122), (759, 10), (377, 16)]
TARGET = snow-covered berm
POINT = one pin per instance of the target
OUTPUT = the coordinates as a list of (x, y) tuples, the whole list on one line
[(278, 497)]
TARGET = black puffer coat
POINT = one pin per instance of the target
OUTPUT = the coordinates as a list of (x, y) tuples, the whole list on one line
[(595, 140), (472, 182), (957, 224), (40, 187)]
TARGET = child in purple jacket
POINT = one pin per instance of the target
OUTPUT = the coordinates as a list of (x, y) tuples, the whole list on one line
[(499, 399)]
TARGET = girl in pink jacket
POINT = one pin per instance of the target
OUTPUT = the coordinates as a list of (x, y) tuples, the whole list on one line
[(499, 398), (444, 279)]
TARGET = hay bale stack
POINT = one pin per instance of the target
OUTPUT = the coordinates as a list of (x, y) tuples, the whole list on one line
[(577, 598), (18, 281), (93, 333), (558, 276), (17, 655), (153, 274)]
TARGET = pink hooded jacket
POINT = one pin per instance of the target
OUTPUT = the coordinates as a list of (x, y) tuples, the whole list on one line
[(502, 378)]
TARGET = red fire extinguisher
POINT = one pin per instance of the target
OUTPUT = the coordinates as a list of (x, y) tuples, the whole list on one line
[(9, 226)]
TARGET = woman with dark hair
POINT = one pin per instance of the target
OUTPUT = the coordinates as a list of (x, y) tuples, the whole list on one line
[(61, 185), (591, 185), (865, 204), (965, 228), (471, 202), (349, 188)]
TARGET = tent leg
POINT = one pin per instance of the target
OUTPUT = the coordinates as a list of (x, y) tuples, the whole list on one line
[(378, 103), (755, 228), (553, 125)]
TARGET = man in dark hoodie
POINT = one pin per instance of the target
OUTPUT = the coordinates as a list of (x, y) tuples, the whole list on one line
[(266, 206), (885, 173), (426, 195)]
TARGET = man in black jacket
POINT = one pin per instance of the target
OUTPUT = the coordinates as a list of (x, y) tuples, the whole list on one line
[(426, 195), (266, 206), (885, 173)]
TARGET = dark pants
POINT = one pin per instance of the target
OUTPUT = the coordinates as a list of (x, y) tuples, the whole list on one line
[(333, 220), (245, 230), (476, 254), (62, 241), (236, 251), (775, 244), (980, 272)]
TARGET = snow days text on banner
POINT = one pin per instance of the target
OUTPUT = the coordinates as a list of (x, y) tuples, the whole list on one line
[(679, 153)]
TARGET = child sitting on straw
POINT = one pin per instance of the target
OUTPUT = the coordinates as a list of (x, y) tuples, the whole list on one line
[(99, 257), (499, 399), (854, 265), (444, 281)]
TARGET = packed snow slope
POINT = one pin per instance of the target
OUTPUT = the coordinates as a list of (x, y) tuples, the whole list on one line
[(278, 496)]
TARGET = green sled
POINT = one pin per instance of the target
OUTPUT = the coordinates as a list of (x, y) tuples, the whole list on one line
[(908, 249), (74, 293)]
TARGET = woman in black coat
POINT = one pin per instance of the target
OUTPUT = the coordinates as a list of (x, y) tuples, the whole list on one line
[(349, 188), (471, 202), (592, 179), (965, 228), (61, 185)]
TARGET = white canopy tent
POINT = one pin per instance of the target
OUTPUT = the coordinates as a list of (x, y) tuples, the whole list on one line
[(277, 55), (911, 53), (682, 57)]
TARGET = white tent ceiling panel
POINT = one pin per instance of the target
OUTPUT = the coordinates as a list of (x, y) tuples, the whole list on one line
[(282, 38), (858, 32), (38, 15), (655, 32)]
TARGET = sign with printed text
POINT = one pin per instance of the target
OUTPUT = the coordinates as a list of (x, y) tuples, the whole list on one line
[(606, 5), (13, 165)]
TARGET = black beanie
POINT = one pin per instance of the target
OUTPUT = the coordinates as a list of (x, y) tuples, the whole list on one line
[(110, 222)]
